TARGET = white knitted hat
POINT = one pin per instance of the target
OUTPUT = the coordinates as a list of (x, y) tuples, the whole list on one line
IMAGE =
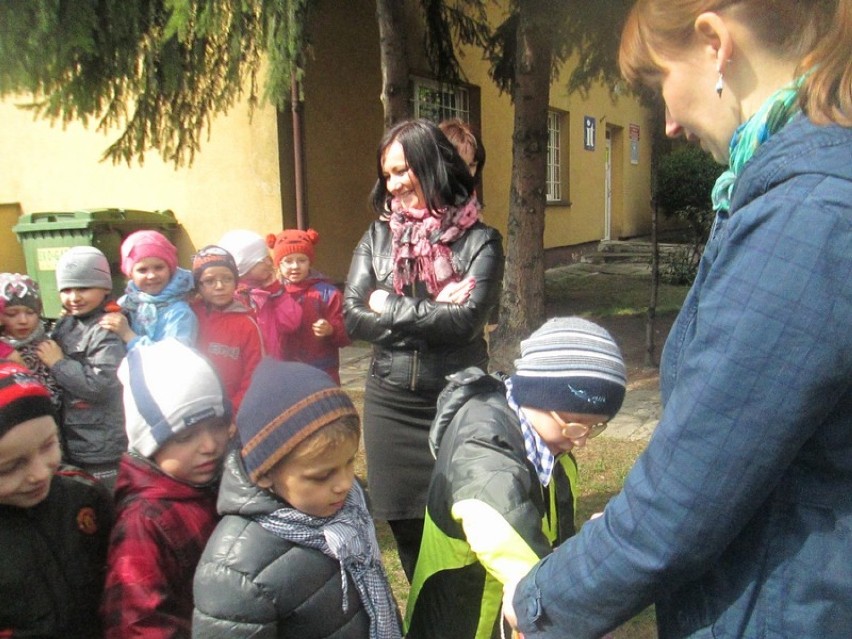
[(168, 387), (247, 247)]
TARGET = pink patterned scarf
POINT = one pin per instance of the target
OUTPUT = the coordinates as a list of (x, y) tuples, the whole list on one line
[(421, 240)]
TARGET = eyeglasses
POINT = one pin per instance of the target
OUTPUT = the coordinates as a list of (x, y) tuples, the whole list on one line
[(211, 282), (573, 430)]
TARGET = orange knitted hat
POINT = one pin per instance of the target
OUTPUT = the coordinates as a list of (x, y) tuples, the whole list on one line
[(291, 241)]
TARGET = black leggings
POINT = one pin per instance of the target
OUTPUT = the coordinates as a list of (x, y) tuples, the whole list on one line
[(407, 533)]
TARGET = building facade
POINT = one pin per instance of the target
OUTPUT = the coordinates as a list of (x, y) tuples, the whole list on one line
[(598, 163)]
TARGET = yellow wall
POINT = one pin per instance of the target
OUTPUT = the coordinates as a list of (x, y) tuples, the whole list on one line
[(343, 125), (583, 220), (233, 182), (11, 251)]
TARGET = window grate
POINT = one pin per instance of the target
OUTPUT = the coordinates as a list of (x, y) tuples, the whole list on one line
[(435, 101), (554, 156)]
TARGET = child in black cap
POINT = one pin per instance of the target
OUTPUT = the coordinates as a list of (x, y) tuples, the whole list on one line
[(296, 553)]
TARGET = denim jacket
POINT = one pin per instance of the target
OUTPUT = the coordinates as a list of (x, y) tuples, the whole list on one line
[(737, 519)]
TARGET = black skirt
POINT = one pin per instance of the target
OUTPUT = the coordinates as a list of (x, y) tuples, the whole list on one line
[(396, 439)]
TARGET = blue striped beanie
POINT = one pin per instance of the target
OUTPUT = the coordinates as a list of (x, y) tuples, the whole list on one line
[(570, 365), (285, 403), (168, 387)]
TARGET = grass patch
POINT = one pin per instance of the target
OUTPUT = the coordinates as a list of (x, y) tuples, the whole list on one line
[(595, 294)]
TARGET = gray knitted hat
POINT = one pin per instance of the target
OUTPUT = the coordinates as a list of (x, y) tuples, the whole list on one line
[(83, 267), (570, 365)]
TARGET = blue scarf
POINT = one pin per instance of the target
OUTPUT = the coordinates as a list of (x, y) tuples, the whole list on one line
[(770, 118), (145, 308)]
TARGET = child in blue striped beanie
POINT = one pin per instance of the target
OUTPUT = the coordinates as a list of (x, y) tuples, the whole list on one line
[(503, 488)]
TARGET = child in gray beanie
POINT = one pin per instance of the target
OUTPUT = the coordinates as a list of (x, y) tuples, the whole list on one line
[(503, 489), (83, 358)]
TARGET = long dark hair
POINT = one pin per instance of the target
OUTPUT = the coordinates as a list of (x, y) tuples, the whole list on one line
[(444, 176)]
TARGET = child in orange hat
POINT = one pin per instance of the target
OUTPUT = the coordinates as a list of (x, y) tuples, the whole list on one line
[(321, 334)]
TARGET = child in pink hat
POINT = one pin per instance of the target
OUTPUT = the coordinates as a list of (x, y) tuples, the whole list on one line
[(155, 304)]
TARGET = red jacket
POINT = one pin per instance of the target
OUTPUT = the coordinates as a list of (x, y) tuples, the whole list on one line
[(231, 340), (161, 529), (319, 299)]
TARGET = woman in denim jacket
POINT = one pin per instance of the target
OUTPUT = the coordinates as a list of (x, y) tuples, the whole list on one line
[(737, 519)]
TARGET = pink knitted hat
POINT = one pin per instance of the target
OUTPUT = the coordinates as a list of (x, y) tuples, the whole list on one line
[(141, 244)]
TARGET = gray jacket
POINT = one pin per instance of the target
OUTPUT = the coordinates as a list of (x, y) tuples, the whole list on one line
[(251, 583), (93, 421)]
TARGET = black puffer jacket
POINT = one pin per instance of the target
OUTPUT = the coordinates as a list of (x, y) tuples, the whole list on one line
[(418, 342), (53, 560), (251, 583)]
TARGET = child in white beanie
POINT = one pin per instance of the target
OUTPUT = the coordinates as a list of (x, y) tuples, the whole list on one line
[(504, 485), (177, 417), (83, 358), (277, 313)]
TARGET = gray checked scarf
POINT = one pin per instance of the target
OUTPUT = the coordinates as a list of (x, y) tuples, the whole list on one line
[(349, 537)]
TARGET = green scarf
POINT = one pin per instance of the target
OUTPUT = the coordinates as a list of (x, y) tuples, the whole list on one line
[(769, 119)]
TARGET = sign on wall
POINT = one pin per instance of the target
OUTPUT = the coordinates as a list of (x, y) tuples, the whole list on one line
[(589, 133), (634, 144)]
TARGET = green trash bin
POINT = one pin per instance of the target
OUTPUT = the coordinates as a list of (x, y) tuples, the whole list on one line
[(46, 236)]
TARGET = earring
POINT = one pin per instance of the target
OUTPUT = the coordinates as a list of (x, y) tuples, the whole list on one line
[(719, 85)]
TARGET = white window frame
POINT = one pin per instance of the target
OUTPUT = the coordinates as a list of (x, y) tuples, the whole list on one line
[(554, 156), (438, 101)]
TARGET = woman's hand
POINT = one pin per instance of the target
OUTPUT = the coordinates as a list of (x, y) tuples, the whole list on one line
[(49, 352), (117, 323), (456, 292), (377, 301), (508, 609)]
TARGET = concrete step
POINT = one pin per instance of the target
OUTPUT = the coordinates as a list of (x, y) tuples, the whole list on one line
[(633, 246), (605, 257)]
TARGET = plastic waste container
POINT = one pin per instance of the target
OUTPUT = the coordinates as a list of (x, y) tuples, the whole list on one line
[(46, 236)]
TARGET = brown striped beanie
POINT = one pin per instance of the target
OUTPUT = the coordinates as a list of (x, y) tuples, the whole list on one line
[(285, 403)]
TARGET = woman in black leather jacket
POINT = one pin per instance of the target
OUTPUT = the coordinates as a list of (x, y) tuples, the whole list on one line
[(424, 280)]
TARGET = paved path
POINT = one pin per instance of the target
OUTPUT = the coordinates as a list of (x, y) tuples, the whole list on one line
[(636, 420)]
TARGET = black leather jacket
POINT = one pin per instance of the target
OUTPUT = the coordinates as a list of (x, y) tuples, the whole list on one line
[(417, 342)]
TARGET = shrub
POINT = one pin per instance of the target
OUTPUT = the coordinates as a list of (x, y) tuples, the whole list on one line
[(685, 180)]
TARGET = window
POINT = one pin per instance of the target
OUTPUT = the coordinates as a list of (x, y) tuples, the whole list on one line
[(435, 101), (557, 164)]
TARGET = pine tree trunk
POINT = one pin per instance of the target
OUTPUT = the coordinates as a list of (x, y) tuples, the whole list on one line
[(522, 307), (394, 57)]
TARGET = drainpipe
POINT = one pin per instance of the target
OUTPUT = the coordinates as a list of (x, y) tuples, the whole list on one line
[(298, 154)]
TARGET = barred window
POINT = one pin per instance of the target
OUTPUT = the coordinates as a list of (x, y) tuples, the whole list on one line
[(435, 101), (554, 156)]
